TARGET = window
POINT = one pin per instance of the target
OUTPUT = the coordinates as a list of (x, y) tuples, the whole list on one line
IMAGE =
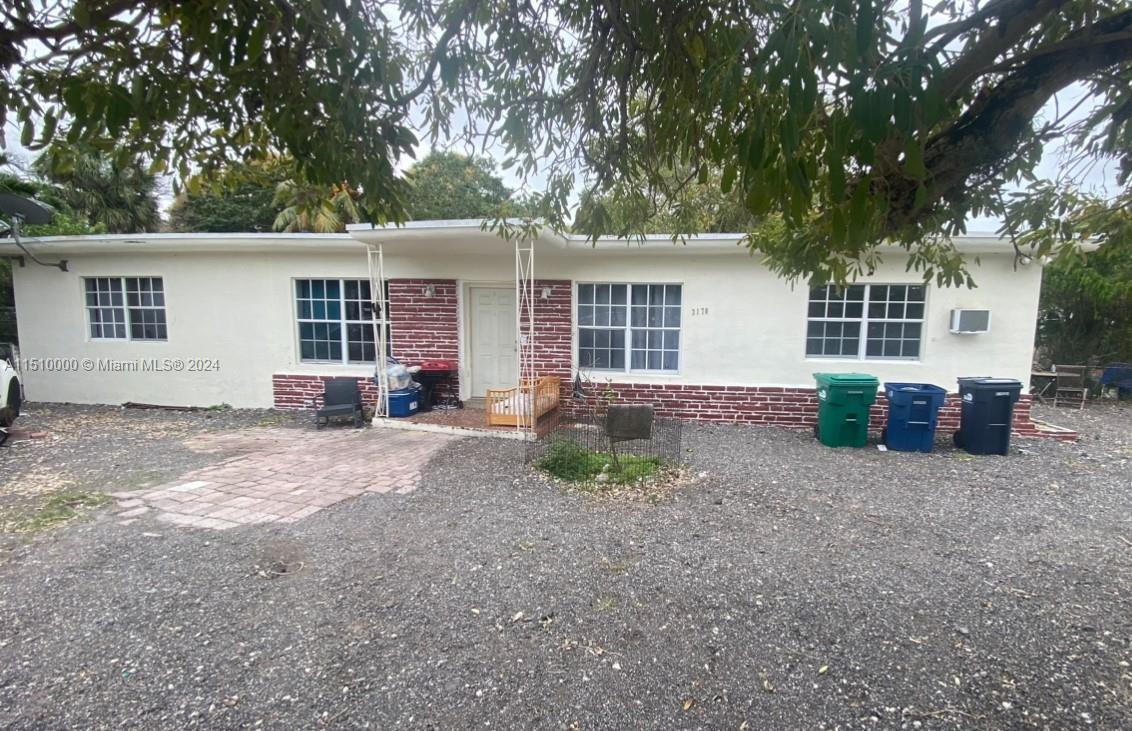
[(336, 320), (126, 308), (866, 321), (629, 327)]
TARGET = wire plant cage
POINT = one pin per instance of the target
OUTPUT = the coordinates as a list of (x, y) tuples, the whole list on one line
[(577, 447)]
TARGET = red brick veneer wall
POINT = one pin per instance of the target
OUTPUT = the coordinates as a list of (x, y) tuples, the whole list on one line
[(792, 408), (420, 328), (423, 327), (554, 335), (294, 391), (426, 327)]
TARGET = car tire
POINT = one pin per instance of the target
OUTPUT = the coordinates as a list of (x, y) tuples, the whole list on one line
[(9, 413)]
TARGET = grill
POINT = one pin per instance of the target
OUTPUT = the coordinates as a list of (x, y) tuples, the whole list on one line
[(435, 377)]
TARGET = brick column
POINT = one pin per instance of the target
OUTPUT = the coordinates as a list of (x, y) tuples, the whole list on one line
[(554, 330)]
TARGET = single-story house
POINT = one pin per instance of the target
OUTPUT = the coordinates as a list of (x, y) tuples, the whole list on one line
[(700, 329)]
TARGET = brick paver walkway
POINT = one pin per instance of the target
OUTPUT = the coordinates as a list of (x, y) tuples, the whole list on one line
[(284, 475)]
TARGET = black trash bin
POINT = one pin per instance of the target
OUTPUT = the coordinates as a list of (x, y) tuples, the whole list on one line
[(987, 414)]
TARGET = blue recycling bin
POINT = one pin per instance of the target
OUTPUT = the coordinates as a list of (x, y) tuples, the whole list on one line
[(987, 414), (913, 411), (404, 402)]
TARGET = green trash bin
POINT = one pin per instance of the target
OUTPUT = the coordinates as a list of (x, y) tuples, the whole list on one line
[(843, 408)]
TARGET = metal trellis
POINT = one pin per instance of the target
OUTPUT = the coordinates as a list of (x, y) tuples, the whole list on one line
[(379, 309), (525, 330)]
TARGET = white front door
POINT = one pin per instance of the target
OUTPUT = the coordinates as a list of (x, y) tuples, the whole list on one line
[(495, 361)]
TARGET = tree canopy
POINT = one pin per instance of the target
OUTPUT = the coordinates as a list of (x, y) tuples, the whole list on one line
[(683, 203), (852, 122), (241, 198), (115, 193), (1086, 303), (65, 222), (311, 207), (448, 185)]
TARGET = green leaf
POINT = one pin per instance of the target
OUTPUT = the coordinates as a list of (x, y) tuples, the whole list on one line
[(858, 212), (921, 197), (756, 152), (28, 133), (914, 159), (864, 34), (257, 43), (728, 179), (81, 14), (697, 50), (50, 122), (118, 111)]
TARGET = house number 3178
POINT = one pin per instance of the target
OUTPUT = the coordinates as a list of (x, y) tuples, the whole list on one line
[(696, 311)]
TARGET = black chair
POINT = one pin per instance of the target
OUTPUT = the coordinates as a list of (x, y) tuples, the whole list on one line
[(341, 399)]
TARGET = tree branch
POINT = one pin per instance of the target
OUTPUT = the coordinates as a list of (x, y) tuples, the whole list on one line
[(455, 23), (991, 130), (1016, 19)]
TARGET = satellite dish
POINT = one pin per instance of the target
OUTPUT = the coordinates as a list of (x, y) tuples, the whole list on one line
[(26, 210), (30, 211)]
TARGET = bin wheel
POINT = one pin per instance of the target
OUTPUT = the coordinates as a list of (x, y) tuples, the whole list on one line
[(884, 435), (815, 431), (955, 440)]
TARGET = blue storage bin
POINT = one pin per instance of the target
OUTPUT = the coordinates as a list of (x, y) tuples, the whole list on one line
[(913, 411), (404, 402)]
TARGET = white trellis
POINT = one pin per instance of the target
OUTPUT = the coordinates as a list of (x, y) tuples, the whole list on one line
[(379, 312), (525, 331)]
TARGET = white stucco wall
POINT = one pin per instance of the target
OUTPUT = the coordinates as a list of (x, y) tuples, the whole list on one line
[(237, 308)]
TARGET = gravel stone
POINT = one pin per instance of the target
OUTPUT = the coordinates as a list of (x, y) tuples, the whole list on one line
[(789, 586)]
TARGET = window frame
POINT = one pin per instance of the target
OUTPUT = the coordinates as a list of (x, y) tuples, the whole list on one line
[(343, 322), (126, 307), (628, 329), (865, 320)]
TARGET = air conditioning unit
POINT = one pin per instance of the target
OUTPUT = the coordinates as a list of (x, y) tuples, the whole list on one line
[(970, 322)]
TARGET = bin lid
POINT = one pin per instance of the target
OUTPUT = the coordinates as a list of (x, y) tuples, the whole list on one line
[(992, 382), (914, 387), (849, 379)]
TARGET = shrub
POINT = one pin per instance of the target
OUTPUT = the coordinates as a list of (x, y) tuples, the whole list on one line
[(573, 463)]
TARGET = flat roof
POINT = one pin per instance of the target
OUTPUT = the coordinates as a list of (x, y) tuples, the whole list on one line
[(467, 236)]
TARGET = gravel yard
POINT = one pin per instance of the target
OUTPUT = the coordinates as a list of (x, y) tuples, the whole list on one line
[(789, 586)]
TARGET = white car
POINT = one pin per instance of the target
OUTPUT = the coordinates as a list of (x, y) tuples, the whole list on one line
[(11, 390)]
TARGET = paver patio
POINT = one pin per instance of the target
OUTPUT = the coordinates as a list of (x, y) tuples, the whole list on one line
[(284, 475)]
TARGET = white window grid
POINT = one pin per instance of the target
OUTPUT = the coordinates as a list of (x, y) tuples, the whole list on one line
[(145, 304), (339, 315), (125, 308), (866, 321), (629, 327)]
